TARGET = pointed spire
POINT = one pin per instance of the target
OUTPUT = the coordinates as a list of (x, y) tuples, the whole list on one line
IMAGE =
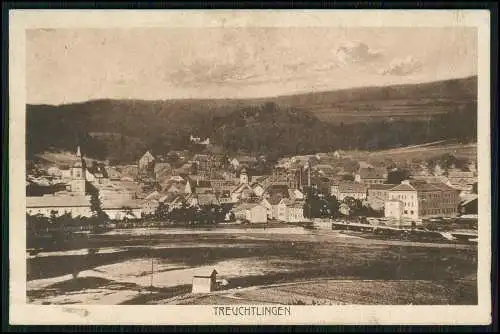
[(78, 153)]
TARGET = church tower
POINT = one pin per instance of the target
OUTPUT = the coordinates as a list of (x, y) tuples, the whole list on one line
[(78, 174)]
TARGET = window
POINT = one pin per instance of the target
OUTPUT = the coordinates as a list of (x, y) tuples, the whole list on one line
[(411, 211), (406, 212)]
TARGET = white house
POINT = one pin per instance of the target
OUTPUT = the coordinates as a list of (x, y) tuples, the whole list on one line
[(253, 212), (205, 282), (295, 212)]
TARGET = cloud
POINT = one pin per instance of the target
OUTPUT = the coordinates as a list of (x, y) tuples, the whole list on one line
[(355, 52), (402, 67)]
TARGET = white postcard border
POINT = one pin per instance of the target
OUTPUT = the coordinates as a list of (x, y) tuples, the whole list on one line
[(23, 313)]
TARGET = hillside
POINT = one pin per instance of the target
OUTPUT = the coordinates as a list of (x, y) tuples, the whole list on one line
[(363, 118)]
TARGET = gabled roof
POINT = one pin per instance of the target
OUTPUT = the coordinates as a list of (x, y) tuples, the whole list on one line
[(403, 187), (381, 186), (241, 187), (208, 274), (352, 187), (147, 156)]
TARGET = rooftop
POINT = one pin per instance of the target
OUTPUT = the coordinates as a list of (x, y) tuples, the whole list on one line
[(352, 187), (120, 203), (381, 186), (65, 200)]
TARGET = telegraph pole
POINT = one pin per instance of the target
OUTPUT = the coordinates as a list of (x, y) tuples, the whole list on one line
[(152, 262)]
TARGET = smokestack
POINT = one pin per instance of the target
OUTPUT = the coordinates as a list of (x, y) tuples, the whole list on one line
[(309, 174)]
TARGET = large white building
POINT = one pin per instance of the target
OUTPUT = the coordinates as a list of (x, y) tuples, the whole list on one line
[(75, 204), (422, 200)]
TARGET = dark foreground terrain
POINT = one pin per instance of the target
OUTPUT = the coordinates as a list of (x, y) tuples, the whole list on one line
[(286, 265)]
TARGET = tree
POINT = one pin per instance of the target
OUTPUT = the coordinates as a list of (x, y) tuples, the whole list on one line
[(98, 214), (398, 175), (333, 206), (162, 211), (355, 205)]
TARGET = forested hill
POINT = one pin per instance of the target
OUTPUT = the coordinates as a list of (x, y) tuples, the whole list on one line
[(364, 118)]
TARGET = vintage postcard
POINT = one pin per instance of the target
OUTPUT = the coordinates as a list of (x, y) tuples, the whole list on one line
[(249, 167)]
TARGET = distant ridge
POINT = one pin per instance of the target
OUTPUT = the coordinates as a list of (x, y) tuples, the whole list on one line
[(348, 118)]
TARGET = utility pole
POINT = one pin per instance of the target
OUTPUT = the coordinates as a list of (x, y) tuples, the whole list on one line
[(152, 262)]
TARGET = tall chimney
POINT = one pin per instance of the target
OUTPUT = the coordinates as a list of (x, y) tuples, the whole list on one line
[(309, 174)]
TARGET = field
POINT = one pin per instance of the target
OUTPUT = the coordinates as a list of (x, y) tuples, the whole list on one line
[(419, 152), (142, 266)]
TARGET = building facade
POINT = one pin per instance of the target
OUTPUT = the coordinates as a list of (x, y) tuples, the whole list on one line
[(423, 200)]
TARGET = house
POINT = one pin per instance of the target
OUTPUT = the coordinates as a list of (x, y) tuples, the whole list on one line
[(113, 173), (97, 174), (59, 204), (54, 171), (201, 186), (242, 192), (369, 175), (162, 170), (269, 208), (205, 283), (294, 211), (349, 189), (252, 212), (201, 200), (461, 180), (324, 170), (117, 189), (282, 209), (338, 154), (273, 202), (377, 194), (422, 199), (394, 209), (119, 209)]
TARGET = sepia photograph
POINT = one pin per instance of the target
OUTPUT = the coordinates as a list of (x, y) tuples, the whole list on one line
[(250, 168)]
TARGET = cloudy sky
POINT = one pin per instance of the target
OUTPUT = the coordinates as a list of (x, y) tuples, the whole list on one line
[(72, 65)]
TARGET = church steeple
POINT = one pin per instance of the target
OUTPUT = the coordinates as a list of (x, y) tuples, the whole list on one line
[(78, 176)]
